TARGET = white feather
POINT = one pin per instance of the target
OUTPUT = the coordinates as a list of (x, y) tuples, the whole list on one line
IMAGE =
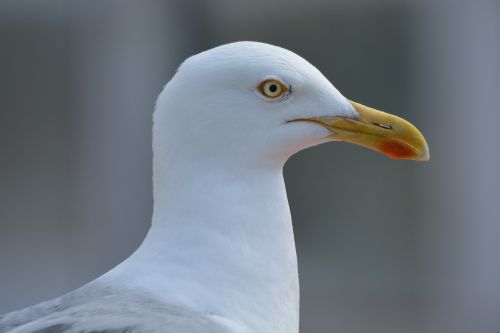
[(220, 255)]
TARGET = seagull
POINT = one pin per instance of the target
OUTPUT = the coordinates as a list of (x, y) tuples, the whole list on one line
[(220, 254)]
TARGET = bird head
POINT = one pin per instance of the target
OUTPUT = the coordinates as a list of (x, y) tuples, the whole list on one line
[(255, 102)]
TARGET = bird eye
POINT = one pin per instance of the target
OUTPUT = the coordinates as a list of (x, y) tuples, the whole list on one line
[(272, 88)]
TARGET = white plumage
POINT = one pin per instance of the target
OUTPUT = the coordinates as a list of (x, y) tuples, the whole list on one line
[(220, 254)]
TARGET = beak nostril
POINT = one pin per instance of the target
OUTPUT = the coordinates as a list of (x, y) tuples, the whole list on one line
[(383, 125)]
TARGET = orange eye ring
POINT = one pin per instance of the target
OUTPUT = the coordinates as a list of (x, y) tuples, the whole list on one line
[(272, 89)]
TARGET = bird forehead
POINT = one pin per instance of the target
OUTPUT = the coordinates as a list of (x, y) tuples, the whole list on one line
[(247, 60)]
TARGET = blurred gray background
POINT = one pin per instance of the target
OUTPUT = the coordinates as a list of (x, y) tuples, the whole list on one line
[(384, 246)]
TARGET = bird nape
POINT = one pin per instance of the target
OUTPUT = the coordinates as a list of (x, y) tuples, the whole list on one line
[(220, 253)]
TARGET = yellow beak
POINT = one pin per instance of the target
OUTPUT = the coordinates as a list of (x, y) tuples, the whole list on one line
[(379, 131)]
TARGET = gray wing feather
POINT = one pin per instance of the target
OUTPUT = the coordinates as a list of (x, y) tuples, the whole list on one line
[(112, 314), (14, 319)]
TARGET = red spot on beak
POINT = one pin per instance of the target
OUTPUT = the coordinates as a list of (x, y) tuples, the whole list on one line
[(397, 150)]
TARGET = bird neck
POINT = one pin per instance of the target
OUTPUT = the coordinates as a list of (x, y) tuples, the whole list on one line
[(222, 242)]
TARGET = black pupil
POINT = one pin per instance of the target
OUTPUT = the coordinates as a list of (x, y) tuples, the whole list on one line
[(273, 88)]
